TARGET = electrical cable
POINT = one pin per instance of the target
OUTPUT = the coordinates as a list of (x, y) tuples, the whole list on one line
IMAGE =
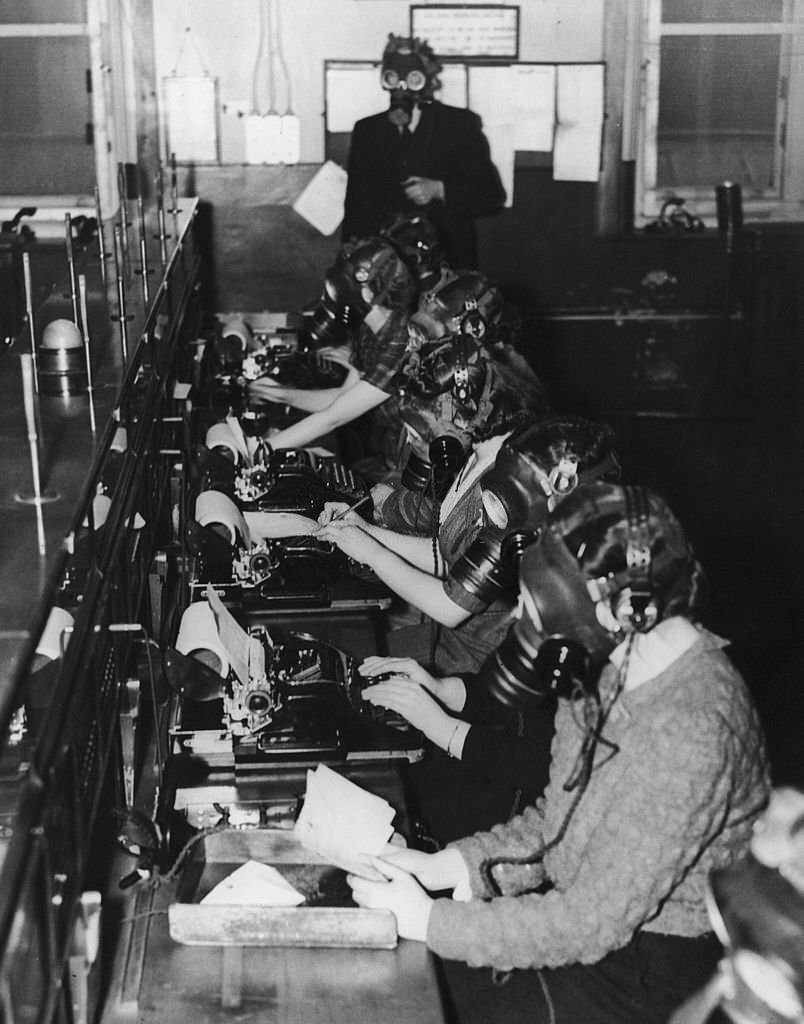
[(276, 40), (257, 62), (579, 780)]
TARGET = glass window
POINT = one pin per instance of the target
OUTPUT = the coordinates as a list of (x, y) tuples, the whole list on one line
[(718, 111), (721, 10), (722, 91)]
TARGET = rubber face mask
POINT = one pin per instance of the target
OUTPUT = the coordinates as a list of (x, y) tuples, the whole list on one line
[(552, 646), (403, 76)]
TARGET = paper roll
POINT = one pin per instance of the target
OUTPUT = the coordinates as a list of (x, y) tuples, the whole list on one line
[(198, 638), (56, 634), (235, 327), (234, 425), (221, 435), (216, 508)]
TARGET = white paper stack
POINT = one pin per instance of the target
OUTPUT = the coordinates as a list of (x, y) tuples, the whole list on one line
[(343, 823)]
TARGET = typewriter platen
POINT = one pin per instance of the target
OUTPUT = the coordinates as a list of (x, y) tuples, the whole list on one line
[(304, 705)]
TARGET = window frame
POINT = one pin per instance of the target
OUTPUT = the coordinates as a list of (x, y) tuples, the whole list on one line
[(787, 204)]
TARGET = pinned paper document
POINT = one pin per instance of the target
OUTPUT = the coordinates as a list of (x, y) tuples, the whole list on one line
[(321, 203)]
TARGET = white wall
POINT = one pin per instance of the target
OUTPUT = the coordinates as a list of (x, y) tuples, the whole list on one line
[(223, 42)]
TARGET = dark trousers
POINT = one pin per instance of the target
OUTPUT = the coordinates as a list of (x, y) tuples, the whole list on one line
[(643, 983)]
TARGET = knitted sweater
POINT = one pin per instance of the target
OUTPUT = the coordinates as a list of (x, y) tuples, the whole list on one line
[(675, 801)]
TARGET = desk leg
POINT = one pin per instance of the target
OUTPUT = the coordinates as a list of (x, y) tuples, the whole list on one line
[(232, 977)]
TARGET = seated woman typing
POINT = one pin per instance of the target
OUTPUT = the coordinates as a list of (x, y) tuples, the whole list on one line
[(456, 576), (443, 378), (369, 293), (595, 896)]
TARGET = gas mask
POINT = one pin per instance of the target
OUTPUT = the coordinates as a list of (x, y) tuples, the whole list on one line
[(410, 74), (419, 243), (557, 641), (448, 338), (367, 273), (433, 467), (756, 907), (610, 561), (536, 467)]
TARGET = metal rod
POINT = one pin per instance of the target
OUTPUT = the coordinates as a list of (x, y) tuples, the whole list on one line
[(163, 237), (68, 243), (174, 186), (26, 274), (162, 234), (144, 271), (29, 400), (143, 246), (82, 291), (103, 256), (141, 216), (121, 293), (123, 193)]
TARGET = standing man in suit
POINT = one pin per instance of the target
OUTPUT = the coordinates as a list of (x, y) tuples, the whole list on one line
[(420, 155)]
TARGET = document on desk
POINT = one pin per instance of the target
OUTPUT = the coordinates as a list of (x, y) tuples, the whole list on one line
[(266, 525), (254, 884), (343, 823)]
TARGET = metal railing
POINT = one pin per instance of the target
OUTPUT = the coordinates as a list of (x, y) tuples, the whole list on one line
[(63, 766)]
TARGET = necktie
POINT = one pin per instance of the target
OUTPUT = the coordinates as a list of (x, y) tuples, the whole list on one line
[(405, 140)]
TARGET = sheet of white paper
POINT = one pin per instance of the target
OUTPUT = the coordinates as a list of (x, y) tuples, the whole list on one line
[(321, 202), (240, 438), (343, 823), (234, 639), (254, 884), (351, 93), (454, 89), (517, 105), (579, 105), (191, 116), (262, 525), (354, 91)]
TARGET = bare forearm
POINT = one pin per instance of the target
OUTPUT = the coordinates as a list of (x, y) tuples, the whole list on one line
[(346, 407), (310, 400)]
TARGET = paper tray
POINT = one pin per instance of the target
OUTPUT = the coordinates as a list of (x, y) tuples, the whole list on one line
[(330, 922)]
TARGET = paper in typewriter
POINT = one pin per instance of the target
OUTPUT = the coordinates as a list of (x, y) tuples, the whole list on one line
[(265, 525), (246, 653), (343, 823)]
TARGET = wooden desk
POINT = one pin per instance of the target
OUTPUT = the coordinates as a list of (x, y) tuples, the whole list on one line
[(276, 986), (157, 980)]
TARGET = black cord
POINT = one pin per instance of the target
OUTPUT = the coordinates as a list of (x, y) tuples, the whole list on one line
[(579, 780)]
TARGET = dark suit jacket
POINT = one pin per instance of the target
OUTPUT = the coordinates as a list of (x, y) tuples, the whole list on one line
[(448, 145)]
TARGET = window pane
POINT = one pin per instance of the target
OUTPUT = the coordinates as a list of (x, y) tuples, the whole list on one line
[(717, 110), (721, 10), (43, 116), (37, 11)]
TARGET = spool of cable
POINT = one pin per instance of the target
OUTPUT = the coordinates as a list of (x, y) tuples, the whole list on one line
[(198, 638), (62, 367)]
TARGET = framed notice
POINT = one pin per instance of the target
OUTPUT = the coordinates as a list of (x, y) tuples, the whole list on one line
[(468, 31)]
